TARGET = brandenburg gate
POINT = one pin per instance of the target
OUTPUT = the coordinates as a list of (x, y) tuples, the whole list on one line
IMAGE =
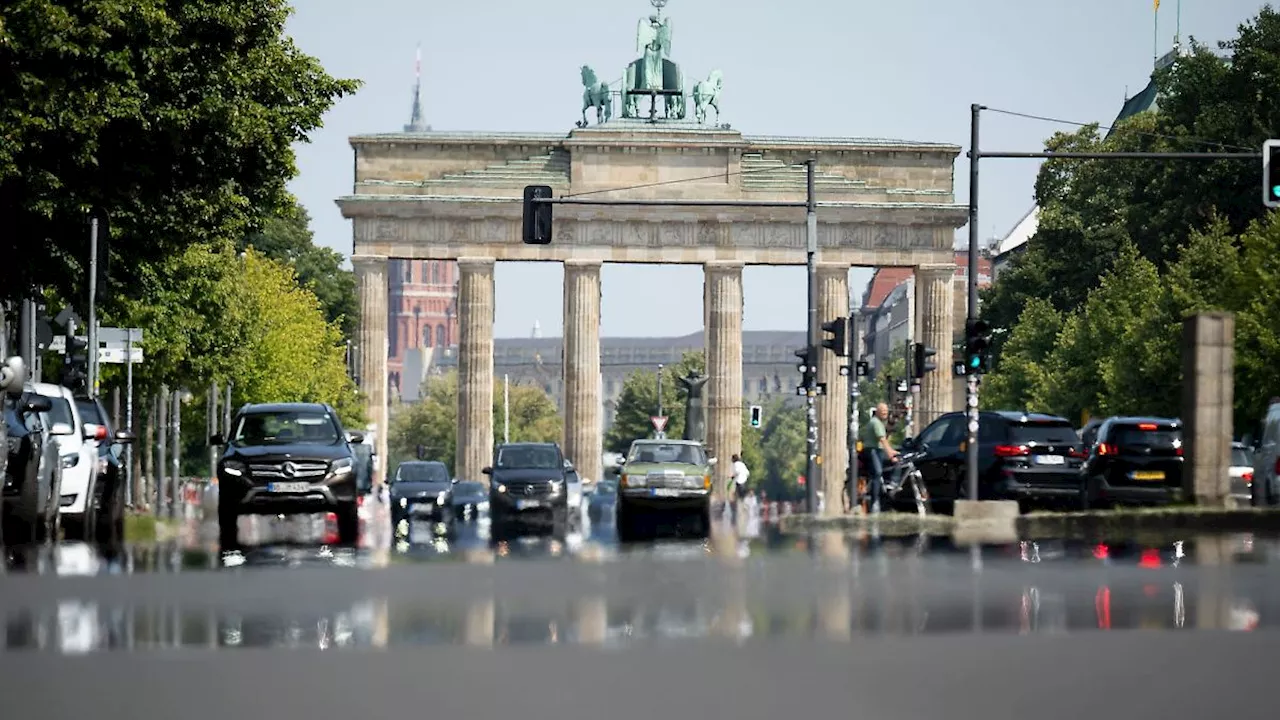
[(457, 196)]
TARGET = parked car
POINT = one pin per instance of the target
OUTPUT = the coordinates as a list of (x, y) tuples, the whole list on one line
[(1265, 490), (33, 478), (1029, 457), (109, 489), (573, 488), (287, 458), (527, 481), (78, 454), (421, 489), (1136, 460), (1241, 471), (667, 477)]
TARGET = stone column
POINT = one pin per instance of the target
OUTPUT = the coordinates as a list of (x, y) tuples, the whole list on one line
[(934, 295), (583, 429), (1208, 405), (723, 282), (371, 277), (475, 368), (833, 408)]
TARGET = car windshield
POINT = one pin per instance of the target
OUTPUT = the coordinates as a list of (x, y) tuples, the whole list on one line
[(287, 427), (1240, 457), (529, 458), (423, 472), (468, 488), (89, 412), (60, 412), (679, 453)]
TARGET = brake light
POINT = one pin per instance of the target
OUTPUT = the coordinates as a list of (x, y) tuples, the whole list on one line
[(1147, 426), (1108, 449), (1150, 559), (1077, 453), (1178, 450), (100, 433), (1248, 477), (1010, 450), (359, 501)]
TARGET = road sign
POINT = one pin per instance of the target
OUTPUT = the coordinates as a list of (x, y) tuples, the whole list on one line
[(118, 335), (659, 422), (116, 356)]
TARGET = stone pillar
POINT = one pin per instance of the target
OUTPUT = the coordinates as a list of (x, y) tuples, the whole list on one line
[(1208, 404), (475, 368), (934, 296), (583, 428), (833, 408), (371, 278), (723, 281)]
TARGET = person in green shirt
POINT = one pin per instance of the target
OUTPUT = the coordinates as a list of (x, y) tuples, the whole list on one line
[(880, 454)]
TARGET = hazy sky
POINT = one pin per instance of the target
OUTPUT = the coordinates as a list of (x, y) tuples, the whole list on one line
[(903, 69)]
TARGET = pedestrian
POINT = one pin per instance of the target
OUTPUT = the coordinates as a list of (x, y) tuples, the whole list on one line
[(739, 486), (880, 454)]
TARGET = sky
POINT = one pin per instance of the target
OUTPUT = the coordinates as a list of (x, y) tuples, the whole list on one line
[(899, 69)]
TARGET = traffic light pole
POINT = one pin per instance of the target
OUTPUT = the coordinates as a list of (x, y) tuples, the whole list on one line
[(976, 154), (93, 307), (813, 468)]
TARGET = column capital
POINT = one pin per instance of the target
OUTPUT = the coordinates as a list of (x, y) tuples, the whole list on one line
[(368, 262), (936, 269), (475, 263), (723, 266), (583, 264), (832, 269)]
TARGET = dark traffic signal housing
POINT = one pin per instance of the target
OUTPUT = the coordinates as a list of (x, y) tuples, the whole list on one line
[(1271, 173), (755, 416), (921, 362), (537, 215), (977, 345), (839, 340), (75, 370)]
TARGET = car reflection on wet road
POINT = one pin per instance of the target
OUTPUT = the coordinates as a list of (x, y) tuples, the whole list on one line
[(745, 584)]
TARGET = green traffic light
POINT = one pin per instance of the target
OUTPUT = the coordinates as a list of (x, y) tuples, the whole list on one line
[(975, 361), (1275, 191)]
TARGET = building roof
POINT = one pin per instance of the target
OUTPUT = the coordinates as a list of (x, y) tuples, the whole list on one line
[(1020, 233), (882, 283)]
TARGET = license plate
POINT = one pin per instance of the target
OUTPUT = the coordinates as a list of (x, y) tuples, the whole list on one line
[(665, 492), (423, 509), (1148, 475), (526, 504), (288, 487), (1050, 460)]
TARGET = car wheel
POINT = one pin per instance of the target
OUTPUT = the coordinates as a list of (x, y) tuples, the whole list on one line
[(228, 527), (110, 524), (24, 515), (348, 524)]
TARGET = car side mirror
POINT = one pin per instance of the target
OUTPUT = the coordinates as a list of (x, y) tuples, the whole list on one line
[(486, 470), (712, 461), (217, 439), (124, 437), (63, 429), (94, 431), (41, 404), (355, 438), (910, 444)]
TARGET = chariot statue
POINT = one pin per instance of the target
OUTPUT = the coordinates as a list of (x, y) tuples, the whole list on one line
[(595, 94), (654, 74)]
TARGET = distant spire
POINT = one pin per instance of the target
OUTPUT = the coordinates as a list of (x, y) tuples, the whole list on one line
[(416, 121)]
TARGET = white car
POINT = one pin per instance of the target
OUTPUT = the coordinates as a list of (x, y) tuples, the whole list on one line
[(78, 448), (1241, 471)]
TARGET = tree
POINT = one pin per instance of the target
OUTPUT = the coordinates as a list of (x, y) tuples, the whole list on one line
[(286, 237), (293, 353), (433, 422), (784, 451), (638, 402), (175, 120), (1022, 368)]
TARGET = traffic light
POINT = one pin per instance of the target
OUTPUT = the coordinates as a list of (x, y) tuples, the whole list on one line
[(1271, 173), (75, 371), (977, 344), (537, 215), (922, 364), (755, 416), (839, 340)]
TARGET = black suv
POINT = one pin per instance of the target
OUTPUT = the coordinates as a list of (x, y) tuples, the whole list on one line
[(1021, 456), (1135, 459), (287, 458), (527, 479)]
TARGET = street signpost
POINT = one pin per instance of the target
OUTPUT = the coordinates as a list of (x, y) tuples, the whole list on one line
[(659, 423)]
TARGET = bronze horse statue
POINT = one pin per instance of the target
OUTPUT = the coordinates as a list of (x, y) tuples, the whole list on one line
[(595, 94)]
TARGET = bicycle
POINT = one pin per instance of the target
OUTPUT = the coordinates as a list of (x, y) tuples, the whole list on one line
[(890, 494)]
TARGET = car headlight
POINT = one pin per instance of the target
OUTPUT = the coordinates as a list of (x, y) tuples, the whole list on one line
[(556, 486), (441, 498), (341, 467), (634, 481), (70, 461), (500, 488), (403, 502), (234, 468)]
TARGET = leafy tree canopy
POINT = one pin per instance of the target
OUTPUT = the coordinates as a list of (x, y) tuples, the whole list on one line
[(175, 120)]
